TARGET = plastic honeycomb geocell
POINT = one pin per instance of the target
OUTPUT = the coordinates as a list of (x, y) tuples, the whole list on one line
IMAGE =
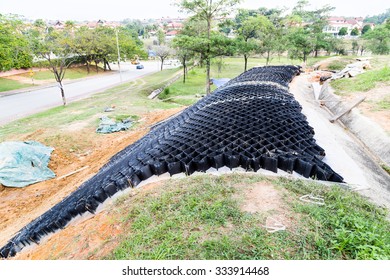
[(251, 122)]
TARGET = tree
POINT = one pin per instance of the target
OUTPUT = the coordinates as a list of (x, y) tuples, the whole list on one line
[(246, 48), (343, 31), (183, 52), (208, 10), (300, 43), (220, 45), (162, 52), (54, 47), (160, 37), (366, 28), (379, 39), (355, 46), (84, 45), (14, 49), (251, 28), (334, 45), (317, 20), (355, 32)]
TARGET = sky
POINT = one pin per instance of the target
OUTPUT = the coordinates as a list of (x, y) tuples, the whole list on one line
[(144, 9)]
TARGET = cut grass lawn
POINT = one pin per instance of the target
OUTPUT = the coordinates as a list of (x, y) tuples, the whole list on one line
[(46, 75), (7, 84), (200, 218), (71, 73)]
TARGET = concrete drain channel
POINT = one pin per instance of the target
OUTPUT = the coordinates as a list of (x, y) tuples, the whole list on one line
[(252, 122)]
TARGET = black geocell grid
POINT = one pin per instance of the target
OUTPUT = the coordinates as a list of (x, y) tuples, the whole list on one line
[(252, 122)]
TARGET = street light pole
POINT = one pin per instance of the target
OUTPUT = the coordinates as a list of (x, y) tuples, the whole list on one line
[(119, 54)]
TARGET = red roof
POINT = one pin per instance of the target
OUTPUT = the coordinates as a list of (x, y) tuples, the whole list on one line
[(171, 33), (336, 19)]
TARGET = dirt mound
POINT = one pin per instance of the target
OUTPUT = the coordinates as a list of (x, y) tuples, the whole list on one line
[(18, 207)]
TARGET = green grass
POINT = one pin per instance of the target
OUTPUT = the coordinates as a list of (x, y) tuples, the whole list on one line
[(200, 218), (363, 82), (45, 75), (7, 84), (185, 94), (383, 104), (130, 99), (71, 73), (386, 168), (340, 63)]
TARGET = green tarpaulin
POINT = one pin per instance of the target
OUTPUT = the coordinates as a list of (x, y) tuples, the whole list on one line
[(24, 163)]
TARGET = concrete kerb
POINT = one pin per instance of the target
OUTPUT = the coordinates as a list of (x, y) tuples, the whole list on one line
[(367, 131), (156, 92)]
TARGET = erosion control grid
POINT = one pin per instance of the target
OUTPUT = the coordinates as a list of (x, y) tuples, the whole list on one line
[(251, 122)]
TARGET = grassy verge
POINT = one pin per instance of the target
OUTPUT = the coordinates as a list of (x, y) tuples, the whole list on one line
[(187, 94), (363, 82), (201, 218), (7, 84), (129, 99), (71, 73), (45, 75)]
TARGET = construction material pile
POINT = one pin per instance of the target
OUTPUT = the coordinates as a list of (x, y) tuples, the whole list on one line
[(352, 70), (251, 122)]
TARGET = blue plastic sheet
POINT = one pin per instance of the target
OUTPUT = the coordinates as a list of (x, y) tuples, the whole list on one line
[(219, 82), (24, 163), (107, 125)]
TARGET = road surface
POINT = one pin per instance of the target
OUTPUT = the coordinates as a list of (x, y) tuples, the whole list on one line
[(16, 106)]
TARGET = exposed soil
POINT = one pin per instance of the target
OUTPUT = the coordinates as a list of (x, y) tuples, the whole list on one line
[(369, 107), (19, 206), (266, 199)]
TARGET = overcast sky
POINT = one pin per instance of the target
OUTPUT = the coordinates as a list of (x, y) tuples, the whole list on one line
[(140, 9)]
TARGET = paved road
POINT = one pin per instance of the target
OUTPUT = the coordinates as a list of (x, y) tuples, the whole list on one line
[(22, 104)]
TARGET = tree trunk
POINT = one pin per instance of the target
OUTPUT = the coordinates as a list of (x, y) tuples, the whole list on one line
[(97, 68), (208, 57), (184, 71), (268, 56), (88, 70), (245, 62), (162, 64), (62, 93), (208, 75), (106, 65)]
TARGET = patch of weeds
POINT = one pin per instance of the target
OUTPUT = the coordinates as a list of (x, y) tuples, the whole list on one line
[(165, 93), (386, 168), (337, 65), (347, 227), (383, 104)]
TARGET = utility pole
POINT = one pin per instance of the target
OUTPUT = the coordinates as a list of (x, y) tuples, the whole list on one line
[(119, 54)]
